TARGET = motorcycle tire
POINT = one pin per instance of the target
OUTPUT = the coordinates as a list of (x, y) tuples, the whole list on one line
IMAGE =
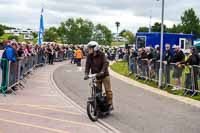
[(91, 112)]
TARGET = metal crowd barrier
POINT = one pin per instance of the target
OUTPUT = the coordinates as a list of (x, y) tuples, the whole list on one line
[(59, 56), (65, 55), (14, 73), (182, 77), (40, 59)]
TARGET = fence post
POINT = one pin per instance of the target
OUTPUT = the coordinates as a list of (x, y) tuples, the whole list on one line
[(4, 84)]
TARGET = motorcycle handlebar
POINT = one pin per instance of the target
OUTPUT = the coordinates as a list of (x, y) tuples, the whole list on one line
[(90, 76)]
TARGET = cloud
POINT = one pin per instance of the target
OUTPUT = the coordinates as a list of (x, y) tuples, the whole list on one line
[(131, 14)]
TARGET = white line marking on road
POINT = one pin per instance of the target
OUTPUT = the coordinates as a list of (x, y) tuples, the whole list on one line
[(34, 126), (50, 118)]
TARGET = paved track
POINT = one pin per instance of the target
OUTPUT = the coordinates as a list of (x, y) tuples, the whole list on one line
[(136, 110)]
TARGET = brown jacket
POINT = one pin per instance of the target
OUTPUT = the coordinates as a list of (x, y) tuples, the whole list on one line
[(97, 64)]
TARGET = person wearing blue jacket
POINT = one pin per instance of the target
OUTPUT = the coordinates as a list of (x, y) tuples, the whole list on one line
[(9, 54)]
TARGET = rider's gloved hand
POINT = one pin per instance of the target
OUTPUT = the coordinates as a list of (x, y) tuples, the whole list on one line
[(86, 77), (100, 74)]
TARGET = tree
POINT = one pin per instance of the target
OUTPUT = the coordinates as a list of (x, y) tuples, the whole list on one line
[(76, 31), (1, 31), (102, 35), (143, 29), (12, 37), (190, 22), (157, 27), (85, 30), (128, 35), (35, 35), (4, 27), (51, 35), (175, 29)]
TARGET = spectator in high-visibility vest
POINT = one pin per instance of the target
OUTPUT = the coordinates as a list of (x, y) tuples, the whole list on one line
[(191, 70), (78, 56)]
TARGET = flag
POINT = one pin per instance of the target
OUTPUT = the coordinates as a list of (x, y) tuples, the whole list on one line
[(41, 30)]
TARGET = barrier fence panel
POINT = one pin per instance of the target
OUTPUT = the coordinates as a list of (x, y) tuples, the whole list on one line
[(41, 60), (59, 56), (178, 76), (20, 69), (4, 76), (65, 55), (26, 70), (13, 74), (35, 60)]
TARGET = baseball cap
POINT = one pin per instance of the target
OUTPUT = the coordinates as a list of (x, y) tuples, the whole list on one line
[(174, 46)]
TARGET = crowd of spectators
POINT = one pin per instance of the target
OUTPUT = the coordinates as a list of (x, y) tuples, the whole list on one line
[(46, 54), (145, 62)]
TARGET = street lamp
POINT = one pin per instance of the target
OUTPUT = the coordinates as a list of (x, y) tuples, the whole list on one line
[(161, 42), (117, 25)]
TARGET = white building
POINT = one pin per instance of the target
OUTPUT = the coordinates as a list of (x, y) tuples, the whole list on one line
[(26, 32), (119, 38)]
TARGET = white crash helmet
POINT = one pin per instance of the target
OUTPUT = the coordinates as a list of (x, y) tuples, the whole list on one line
[(94, 45)]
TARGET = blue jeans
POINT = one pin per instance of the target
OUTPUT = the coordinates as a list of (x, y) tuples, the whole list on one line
[(132, 67)]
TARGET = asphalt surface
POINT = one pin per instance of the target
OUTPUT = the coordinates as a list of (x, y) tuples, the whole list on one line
[(40, 108), (136, 110)]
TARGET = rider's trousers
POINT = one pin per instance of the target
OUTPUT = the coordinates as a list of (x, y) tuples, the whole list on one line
[(107, 86)]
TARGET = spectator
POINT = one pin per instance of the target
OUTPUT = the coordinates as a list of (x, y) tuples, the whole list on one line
[(157, 61), (150, 63), (71, 54), (177, 59), (191, 71), (50, 52), (20, 53), (9, 54), (132, 61), (78, 56), (141, 64), (167, 59)]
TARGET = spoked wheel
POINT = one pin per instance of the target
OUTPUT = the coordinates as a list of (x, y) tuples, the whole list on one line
[(92, 112)]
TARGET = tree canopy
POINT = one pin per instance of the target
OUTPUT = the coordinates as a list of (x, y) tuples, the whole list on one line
[(1, 31), (102, 35), (190, 23), (79, 31), (76, 31), (128, 35), (51, 35)]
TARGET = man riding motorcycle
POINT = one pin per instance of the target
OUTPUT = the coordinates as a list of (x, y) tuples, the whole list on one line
[(97, 63)]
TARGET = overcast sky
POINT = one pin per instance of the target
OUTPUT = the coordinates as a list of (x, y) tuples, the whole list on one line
[(130, 13)]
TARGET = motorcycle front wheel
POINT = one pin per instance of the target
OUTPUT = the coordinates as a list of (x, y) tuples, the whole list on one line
[(92, 112)]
